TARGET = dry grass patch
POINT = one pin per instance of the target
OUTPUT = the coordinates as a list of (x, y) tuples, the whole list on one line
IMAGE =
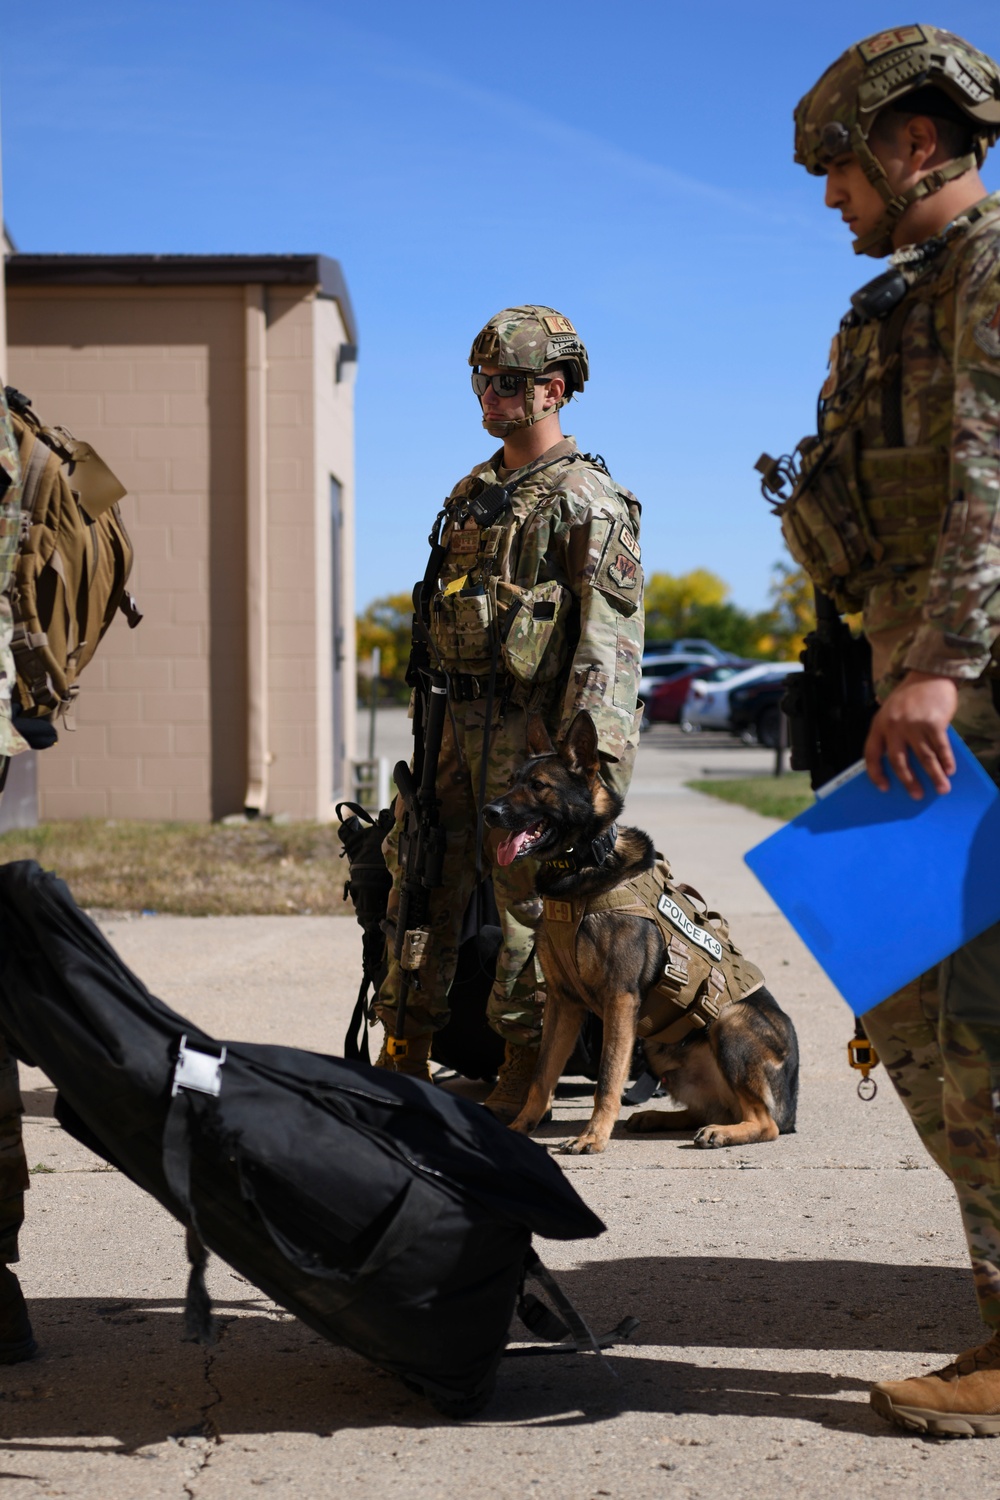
[(192, 869)]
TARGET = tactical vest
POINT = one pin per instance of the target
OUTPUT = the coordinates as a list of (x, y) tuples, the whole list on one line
[(703, 969), (866, 506), (481, 616)]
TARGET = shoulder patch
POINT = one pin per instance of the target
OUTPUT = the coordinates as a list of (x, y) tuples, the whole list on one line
[(629, 542), (618, 574), (987, 333)]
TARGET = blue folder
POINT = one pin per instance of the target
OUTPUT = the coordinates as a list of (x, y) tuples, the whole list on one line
[(880, 887)]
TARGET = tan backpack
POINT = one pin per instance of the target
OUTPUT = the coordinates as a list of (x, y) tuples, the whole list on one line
[(73, 562)]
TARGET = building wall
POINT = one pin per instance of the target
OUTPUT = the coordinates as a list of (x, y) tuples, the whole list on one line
[(155, 378), (334, 459)]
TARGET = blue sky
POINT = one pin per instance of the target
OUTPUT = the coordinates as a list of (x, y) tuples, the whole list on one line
[(628, 163)]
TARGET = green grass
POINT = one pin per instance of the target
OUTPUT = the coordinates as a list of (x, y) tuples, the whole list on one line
[(191, 869), (771, 796)]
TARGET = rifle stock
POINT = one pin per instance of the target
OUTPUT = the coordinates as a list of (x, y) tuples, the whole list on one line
[(421, 852), (831, 703)]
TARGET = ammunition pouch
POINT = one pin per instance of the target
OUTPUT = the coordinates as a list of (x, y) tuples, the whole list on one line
[(858, 517), (532, 628), (461, 627)]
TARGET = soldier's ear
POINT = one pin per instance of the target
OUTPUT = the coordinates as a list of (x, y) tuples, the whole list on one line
[(538, 741), (579, 748)]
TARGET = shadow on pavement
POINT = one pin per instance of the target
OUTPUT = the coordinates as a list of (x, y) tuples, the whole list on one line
[(116, 1376)]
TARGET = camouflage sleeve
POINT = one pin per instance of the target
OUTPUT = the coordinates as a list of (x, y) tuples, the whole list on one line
[(605, 575), (10, 504), (961, 615)]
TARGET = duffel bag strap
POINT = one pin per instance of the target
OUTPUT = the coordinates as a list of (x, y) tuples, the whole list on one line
[(198, 1070), (568, 1333)]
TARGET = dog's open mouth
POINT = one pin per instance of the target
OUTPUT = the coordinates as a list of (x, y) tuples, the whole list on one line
[(515, 845)]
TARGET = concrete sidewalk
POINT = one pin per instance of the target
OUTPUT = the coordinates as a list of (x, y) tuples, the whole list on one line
[(774, 1282)]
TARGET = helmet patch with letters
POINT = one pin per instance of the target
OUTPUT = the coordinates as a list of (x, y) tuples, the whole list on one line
[(890, 41)]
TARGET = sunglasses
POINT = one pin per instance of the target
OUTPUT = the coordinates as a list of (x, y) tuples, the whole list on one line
[(504, 384)]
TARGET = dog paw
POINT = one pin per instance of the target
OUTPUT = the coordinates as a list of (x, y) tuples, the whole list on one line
[(712, 1135), (584, 1145), (646, 1121)]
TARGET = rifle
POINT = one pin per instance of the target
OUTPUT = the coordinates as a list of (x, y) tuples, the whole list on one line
[(421, 840), (831, 703)]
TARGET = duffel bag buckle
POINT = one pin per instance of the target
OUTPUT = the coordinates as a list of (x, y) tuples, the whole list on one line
[(200, 1071)]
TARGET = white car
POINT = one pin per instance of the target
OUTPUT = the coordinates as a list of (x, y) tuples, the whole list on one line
[(659, 668), (707, 702)]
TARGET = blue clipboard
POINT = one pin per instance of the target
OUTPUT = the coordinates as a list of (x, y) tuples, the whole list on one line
[(880, 887)]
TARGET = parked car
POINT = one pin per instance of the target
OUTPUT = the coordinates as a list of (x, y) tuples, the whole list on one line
[(707, 705), (656, 669), (667, 698), (688, 646), (755, 711)]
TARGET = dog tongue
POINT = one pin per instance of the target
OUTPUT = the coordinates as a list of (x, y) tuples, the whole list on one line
[(509, 848)]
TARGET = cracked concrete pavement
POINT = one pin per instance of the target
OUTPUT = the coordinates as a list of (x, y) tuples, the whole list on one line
[(773, 1283)]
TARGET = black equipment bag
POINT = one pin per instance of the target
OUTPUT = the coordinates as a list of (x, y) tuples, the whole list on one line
[(388, 1215), (466, 1043)]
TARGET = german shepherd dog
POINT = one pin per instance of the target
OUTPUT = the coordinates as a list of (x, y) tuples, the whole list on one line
[(738, 1077)]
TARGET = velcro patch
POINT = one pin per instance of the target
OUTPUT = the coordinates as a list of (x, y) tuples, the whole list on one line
[(629, 542), (987, 333), (890, 41), (557, 911), (684, 924), (556, 323), (464, 541), (623, 571)]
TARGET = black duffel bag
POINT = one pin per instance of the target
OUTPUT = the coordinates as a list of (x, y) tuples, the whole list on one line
[(388, 1215)]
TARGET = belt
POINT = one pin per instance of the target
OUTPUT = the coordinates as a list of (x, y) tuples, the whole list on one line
[(466, 687)]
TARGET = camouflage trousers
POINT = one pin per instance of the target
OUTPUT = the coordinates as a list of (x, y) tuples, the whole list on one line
[(517, 1000), (515, 1004), (13, 1164), (939, 1038)]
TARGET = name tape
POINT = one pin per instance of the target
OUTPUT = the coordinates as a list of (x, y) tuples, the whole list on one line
[(684, 924)]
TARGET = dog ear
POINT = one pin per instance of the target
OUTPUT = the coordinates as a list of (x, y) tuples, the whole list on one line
[(538, 741), (579, 748)]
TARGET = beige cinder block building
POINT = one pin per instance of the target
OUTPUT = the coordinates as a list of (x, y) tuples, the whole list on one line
[(220, 390)]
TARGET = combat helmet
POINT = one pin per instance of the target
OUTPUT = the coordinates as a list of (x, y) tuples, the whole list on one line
[(837, 114), (528, 341)]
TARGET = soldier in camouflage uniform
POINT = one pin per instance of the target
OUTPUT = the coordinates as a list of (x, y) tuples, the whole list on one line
[(551, 595), (16, 1341), (895, 512)]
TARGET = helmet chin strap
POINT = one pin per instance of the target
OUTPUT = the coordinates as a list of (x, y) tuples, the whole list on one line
[(878, 241), (503, 428)]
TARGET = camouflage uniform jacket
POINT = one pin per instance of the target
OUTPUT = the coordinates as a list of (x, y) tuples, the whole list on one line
[(555, 586), (910, 413), (10, 513)]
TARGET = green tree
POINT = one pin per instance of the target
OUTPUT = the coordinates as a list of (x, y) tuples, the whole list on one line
[(697, 604), (387, 623)]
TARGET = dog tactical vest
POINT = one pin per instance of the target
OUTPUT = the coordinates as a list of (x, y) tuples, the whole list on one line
[(873, 487), (703, 969), (73, 563)]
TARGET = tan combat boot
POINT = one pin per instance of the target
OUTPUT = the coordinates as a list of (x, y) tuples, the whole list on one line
[(513, 1081), (962, 1400), (414, 1062)]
